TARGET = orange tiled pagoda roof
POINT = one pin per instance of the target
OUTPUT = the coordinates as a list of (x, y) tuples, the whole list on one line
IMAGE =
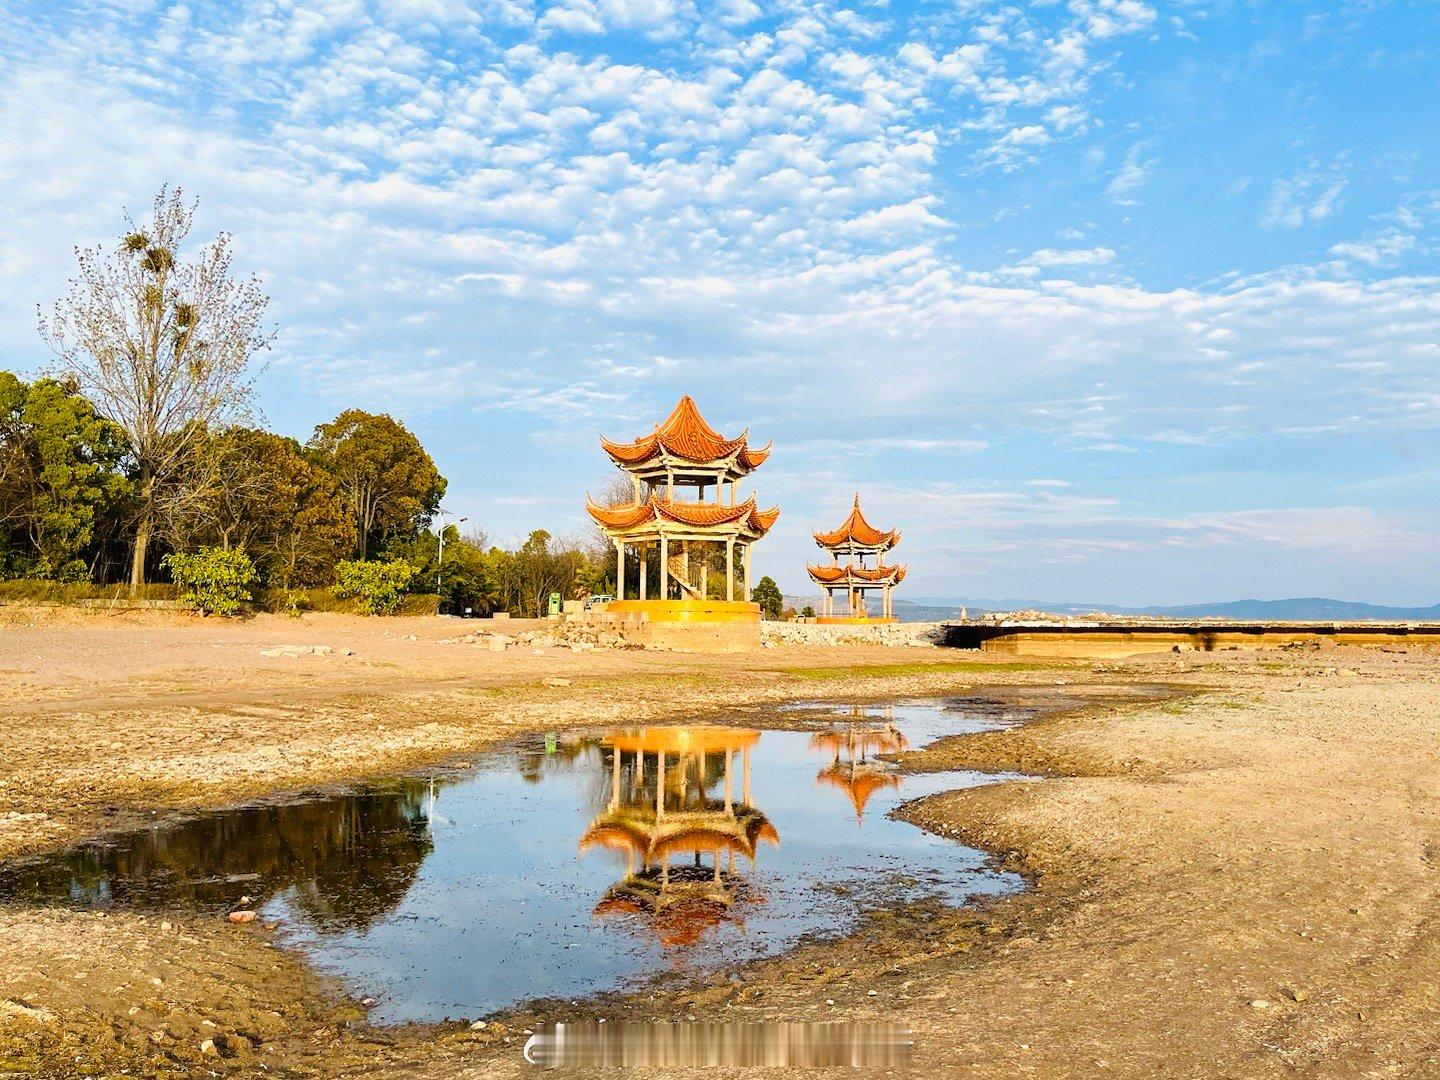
[(686, 435), (858, 784), (855, 529), (697, 514), (850, 573)]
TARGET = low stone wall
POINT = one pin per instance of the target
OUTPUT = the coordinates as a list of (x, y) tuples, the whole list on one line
[(896, 634)]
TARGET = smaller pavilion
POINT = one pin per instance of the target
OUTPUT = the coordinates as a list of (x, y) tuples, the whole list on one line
[(853, 767), (856, 540)]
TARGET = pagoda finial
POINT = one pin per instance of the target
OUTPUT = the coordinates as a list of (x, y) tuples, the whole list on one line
[(857, 500)]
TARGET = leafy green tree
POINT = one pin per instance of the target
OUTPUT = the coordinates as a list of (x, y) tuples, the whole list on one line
[(59, 472), (463, 575), (807, 612), (161, 344), (378, 586), (767, 594), (257, 491), (212, 580), (389, 483)]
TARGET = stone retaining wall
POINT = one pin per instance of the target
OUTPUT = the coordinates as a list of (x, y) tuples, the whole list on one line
[(896, 634)]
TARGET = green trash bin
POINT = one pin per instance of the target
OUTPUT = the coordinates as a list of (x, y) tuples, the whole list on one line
[(554, 609)]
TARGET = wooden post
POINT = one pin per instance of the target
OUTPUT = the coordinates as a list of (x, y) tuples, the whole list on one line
[(729, 787), (745, 777), (730, 569), (685, 563), (746, 561), (614, 776), (644, 566), (619, 570), (664, 567), (660, 784)]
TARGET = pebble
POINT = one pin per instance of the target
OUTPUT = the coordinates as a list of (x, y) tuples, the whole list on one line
[(1259, 1003), (241, 916), (479, 1025), (209, 1047)]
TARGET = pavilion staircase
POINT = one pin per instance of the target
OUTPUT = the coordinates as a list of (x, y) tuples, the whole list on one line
[(678, 571)]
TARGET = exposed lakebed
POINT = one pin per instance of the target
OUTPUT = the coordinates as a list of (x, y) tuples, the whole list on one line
[(559, 866)]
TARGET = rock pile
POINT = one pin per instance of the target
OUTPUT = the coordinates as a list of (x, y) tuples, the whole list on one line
[(294, 652)]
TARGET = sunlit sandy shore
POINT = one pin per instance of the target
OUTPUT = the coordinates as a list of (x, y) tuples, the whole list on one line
[(1231, 863)]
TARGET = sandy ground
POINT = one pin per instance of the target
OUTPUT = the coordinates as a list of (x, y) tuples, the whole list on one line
[(1232, 858)]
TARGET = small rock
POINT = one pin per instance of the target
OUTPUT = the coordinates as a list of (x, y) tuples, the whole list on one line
[(1259, 1003), (209, 1048), (479, 1025), (557, 682), (241, 916), (28, 1012), (164, 924)]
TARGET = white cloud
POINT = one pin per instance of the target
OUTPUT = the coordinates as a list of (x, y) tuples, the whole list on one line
[(1050, 257), (1307, 197), (1134, 173)]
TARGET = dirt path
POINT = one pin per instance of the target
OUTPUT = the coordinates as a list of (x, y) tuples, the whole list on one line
[(1241, 882)]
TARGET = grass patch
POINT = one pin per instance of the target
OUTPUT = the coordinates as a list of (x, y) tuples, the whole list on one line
[(862, 671), (55, 592), (280, 601)]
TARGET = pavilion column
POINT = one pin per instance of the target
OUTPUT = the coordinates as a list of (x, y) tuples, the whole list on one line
[(729, 786), (746, 561), (660, 784), (664, 567), (730, 569), (685, 562), (619, 570), (615, 777), (644, 567), (745, 777)]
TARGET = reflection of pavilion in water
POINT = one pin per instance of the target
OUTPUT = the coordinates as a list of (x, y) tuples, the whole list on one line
[(852, 745), (672, 792)]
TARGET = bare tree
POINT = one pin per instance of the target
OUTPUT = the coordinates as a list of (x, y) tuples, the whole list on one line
[(161, 344)]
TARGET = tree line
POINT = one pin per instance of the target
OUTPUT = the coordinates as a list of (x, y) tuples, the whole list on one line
[(140, 448)]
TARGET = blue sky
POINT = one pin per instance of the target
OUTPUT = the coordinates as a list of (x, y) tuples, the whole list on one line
[(1118, 300)]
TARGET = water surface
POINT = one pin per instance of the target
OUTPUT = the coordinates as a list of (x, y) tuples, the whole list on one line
[(558, 866)]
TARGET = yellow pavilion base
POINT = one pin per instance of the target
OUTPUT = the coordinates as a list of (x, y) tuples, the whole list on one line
[(686, 625), (686, 611), (853, 620)]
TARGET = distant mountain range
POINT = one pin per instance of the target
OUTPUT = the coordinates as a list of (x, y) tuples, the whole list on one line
[(1301, 609)]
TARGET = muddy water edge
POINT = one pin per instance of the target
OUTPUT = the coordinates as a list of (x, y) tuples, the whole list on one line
[(226, 994)]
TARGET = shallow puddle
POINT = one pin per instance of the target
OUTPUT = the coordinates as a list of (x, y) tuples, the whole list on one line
[(558, 866)]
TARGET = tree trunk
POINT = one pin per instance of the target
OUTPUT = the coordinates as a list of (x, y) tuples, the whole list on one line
[(142, 544), (143, 530)]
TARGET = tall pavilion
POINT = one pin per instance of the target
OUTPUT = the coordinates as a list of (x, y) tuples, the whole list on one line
[(688, 534), (856, 540)]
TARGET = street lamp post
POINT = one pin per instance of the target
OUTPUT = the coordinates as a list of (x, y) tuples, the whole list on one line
[(440, 558)]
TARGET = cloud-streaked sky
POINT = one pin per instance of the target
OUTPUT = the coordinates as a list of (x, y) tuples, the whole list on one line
[(1122, 300)]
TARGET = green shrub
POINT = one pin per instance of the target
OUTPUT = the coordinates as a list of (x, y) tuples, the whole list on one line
[(378, 586), (212, 580)]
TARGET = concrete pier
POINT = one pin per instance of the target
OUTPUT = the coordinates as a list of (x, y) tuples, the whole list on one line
[(1119, 637)]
